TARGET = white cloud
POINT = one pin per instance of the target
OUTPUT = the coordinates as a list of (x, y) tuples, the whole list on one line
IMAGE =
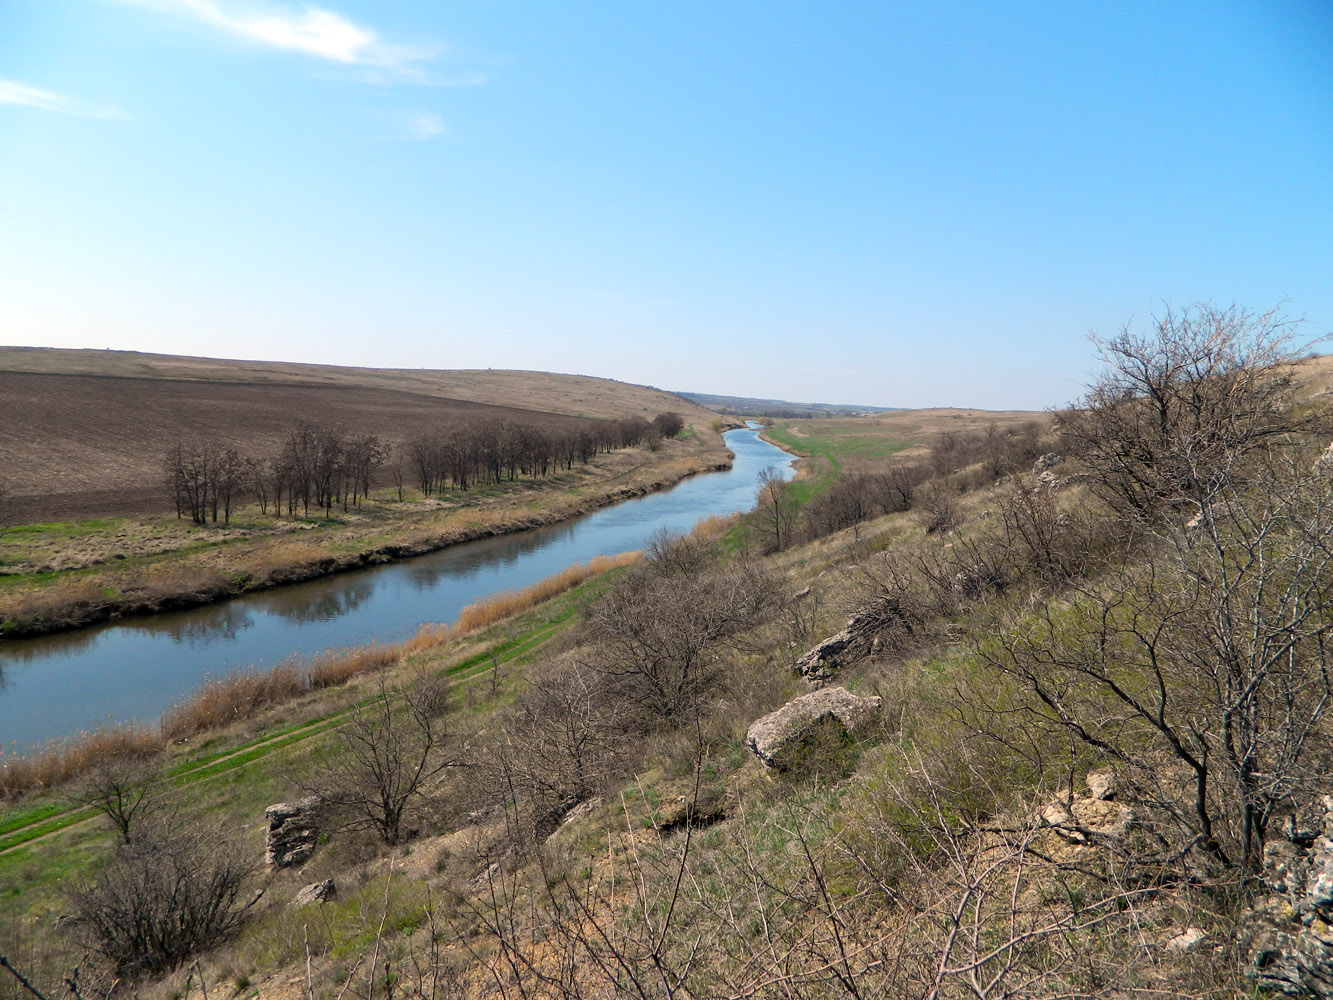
[(423, 124), (312, 30), (12, 92)]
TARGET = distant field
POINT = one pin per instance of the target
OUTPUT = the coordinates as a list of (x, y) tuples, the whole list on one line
[(746, 406), (841, 439), (83, 432)]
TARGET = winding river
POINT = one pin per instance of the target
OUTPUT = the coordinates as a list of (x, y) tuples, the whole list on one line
[(57, 686)]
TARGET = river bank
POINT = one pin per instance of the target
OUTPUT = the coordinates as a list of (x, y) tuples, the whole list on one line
[(115, 672), (212, 565)]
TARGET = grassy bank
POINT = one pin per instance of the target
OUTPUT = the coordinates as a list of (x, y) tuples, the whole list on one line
[(67, 575)]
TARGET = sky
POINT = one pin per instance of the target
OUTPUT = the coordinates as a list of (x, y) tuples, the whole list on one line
[(893, 204)]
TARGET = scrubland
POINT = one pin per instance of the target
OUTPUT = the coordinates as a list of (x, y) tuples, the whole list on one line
[(1100, 644)]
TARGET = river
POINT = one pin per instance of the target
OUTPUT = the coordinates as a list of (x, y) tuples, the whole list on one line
[(57, 686)]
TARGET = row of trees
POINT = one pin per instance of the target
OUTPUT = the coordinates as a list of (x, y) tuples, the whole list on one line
[(317, 466), (487, 452), (323, 467)]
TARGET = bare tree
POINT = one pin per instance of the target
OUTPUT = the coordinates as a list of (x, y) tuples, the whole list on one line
[(119, 787), (777, 511), (384, 756), (1177, 412)]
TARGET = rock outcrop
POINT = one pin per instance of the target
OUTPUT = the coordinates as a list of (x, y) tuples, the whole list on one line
[(1289, 939), (779, 738), (856, 640), (293, 829), (316, 892), (1047, 461)]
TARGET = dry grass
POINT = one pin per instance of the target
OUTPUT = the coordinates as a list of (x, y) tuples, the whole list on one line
[(63, 761), (504, 605), (228, 699)]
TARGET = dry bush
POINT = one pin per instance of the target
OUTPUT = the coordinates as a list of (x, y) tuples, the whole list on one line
[(659, 635), (936, 505), (567, 739), (1200, 670), (162, 898), (1182, 410)]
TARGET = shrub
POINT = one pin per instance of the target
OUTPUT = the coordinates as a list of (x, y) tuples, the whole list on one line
[(158, 900)]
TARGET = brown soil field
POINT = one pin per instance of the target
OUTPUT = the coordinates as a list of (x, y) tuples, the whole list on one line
[(82, 432)]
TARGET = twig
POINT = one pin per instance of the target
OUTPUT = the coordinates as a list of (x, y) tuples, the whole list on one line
[(23, 980)]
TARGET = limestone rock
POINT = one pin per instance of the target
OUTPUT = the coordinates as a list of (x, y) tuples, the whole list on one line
[(777, 738), (1185, 940), (1101, 785), (316, 892), (1047, 461), (1289, 937), (1083, 821), (293, 828), (854, 641)]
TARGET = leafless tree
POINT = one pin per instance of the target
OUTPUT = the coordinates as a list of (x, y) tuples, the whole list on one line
[(384, 757), (1179, 411), (777, 511), (120, 788)]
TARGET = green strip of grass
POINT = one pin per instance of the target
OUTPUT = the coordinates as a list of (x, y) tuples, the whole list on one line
[(50, 826), (18, 819)]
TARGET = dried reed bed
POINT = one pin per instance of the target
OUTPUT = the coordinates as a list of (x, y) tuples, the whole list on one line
[(239, 696), (497, 607), (59, 762)]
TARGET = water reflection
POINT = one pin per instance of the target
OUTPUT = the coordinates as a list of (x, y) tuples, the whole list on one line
[(339, 595), (135, 669)]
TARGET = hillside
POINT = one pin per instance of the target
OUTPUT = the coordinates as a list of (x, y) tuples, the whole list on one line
[(746, 406), (85, 430), (975, 708)]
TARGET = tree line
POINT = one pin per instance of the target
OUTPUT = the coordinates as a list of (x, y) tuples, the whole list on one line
[(323, 467)]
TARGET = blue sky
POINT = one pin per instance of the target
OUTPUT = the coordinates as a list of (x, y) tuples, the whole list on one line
[(883, 203)]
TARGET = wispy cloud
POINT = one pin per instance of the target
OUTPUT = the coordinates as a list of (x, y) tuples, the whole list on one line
[(311, 30), (12, 92), (422, 124)]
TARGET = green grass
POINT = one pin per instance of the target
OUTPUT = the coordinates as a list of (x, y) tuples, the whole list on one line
[(835, 440)]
